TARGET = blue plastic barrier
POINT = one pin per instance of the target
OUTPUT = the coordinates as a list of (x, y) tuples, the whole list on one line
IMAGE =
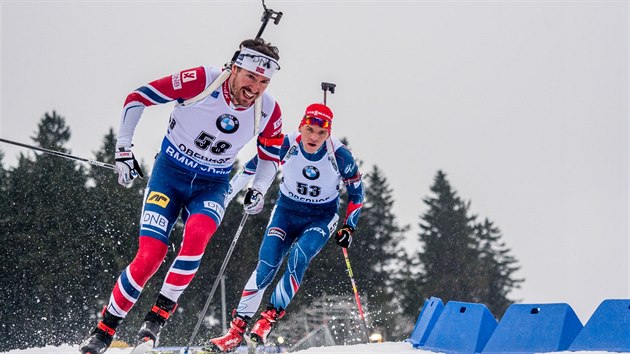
[(431, 311), (529, 328), (608, 329), (462, 328)]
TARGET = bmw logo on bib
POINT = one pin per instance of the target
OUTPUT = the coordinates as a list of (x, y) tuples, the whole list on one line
[(310, 172), (227, 123)]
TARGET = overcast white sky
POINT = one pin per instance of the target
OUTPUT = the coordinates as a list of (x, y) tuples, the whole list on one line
[(523, 104)]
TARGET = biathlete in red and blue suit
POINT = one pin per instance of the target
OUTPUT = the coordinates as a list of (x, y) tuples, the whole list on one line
[(191, 175), (314, 164)]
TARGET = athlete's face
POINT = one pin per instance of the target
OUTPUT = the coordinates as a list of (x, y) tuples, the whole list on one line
[(313, 136), (246, 86)]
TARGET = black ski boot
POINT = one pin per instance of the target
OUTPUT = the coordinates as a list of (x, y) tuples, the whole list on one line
[(101, 337), (155, 319)]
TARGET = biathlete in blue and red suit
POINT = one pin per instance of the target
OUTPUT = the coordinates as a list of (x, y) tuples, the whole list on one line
[(191, 175), (314, 164)]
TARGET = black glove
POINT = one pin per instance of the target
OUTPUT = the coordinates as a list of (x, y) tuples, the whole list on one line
[(254, 201), (344, 236), (127, 166)]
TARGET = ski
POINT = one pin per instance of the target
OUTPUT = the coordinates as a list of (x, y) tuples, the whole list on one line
[(251, 345), (251, 349), (182, 350), (143, 347)]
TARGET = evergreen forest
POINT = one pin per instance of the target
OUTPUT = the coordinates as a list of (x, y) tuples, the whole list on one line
[(68, 229)]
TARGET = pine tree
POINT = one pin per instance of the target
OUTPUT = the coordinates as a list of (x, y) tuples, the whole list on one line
[(110, 239), (450, 248), (496, 258), (461, 259), (6, 212), (4, 202), (3, 171), (48, 213), (377, 242)]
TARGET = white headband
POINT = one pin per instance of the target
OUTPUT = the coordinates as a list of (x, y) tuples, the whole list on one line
[(257, 62)]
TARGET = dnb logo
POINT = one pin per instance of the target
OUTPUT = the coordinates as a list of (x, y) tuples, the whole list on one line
[(215, 208), (227, 123), (310, 172), (158, 199), (154, 219)]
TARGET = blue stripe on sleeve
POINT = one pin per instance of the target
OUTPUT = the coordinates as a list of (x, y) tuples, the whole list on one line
[(152, 95), (270, 150)]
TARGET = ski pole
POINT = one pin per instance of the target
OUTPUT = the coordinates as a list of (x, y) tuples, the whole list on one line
[(61, 154), (216, 281), (328, 86), (356, 294)]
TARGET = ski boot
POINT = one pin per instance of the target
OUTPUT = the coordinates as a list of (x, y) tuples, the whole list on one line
[(232, 339), (265, 324), (155, 320), (101, 337)]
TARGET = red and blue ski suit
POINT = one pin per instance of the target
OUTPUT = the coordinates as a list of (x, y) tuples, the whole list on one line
[(190, 174), (303, 219)]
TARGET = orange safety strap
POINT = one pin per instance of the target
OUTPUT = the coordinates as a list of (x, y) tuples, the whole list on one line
[(161, 312), (102, 326)]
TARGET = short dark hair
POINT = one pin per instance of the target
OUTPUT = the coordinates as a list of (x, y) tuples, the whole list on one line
[(261, 46)]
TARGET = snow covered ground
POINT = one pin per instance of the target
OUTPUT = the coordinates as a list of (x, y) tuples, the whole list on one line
[(373, 348)]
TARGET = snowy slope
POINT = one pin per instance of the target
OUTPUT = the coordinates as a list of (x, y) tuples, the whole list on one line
[(374, 348)]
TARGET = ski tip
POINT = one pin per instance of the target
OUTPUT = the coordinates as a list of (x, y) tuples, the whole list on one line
[(255, 340), (143, 346), (209, 349)]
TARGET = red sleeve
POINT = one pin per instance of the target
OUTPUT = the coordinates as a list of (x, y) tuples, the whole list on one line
[(273, 128), (271, 138), (179, 86)]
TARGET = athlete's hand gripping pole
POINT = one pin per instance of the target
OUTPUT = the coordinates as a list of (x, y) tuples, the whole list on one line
[(127, 166), (216, 283), (344, 236)]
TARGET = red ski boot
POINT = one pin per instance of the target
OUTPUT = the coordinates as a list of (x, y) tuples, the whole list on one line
[(232, 339), (264, 325)]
